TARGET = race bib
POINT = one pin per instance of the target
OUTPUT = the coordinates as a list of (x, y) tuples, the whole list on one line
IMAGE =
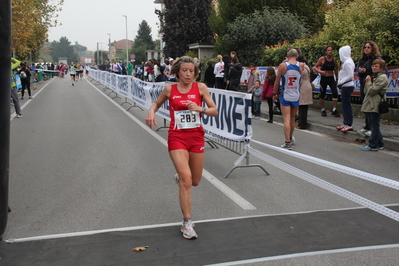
[(187, 119)]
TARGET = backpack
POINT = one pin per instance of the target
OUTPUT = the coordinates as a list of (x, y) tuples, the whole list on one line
[(23, 74)]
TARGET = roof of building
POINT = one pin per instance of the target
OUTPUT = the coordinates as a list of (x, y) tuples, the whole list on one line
[(121, 44)]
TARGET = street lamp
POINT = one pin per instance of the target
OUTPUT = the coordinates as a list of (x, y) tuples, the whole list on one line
[(109, 47), (127, 56)]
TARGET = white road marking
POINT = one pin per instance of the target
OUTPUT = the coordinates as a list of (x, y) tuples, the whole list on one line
[(133, 228)]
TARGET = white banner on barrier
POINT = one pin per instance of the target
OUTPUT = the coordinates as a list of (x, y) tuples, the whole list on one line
[(233, 122)]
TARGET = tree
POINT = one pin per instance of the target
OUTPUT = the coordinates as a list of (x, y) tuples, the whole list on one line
[(144, 33), (63, 48), (249, 34), (80, 49), (226, 11), (139, 49), (40, 15), (359, 21), (185, 22)]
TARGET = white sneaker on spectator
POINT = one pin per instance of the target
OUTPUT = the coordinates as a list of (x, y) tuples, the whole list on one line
[(368, 133)]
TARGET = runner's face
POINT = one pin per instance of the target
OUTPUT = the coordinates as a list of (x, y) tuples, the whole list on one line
[(186, 72), (329, 51)]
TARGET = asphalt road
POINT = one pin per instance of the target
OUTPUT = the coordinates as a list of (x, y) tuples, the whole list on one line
[(80, 162)]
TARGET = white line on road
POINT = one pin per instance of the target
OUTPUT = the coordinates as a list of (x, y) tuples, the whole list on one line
[(240, 201)]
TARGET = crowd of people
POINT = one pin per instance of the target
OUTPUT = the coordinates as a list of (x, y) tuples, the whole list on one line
[(150, 71), (290, 91), (24, 74)]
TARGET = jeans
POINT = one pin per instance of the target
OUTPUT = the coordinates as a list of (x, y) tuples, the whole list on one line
[(257, 108), (25, 85), (270, 104), (346, 93), (375, 140), (15, 100)]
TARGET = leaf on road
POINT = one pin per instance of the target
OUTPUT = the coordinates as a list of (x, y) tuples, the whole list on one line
[(137, 249)]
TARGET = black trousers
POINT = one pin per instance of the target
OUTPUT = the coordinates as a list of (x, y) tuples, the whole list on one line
[(303, 116)]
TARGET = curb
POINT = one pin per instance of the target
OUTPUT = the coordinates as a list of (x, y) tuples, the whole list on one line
[(390, 143)]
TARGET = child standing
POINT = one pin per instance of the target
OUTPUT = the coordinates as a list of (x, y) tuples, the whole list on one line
[(267, 93), (257, 98)]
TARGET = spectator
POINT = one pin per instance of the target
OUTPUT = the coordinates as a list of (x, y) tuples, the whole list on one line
[(233, 54), (257, 98), (123, 69), (150, 71), (306, 94), (116, 68), (166, 70), (199, 65), (209, 77), (346, 85), (253, 76), (289, 93), (25, 75), (328, 68), (62, 70), (267, 93), (157, 71), (368, 54), (227, 64), (170, 77), (14, 96), (219, 73), (374, 90), (235, 75), (142, 67), (129, 68)]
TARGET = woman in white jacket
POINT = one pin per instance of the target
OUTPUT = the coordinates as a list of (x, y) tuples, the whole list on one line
[(219, 73), (346, 86)]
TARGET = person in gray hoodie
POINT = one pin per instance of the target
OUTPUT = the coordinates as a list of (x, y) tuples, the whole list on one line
[(346, 85)]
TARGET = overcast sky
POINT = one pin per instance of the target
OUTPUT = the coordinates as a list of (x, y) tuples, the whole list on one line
[(90, 21)]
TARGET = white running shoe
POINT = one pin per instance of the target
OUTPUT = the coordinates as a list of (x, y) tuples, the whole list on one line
[(286, 145), (188, 230)]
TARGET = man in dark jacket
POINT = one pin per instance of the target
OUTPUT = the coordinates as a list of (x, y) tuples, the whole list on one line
[(235, 75), (25, 75)]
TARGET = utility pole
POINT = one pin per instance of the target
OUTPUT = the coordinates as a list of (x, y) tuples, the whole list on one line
[(109, 47), (127, 50), (5, 95)]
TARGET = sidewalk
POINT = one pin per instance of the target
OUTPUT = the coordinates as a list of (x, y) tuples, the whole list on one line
[(318, 123)]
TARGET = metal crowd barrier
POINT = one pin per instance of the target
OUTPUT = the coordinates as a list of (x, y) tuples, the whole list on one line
[(240, 148)]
